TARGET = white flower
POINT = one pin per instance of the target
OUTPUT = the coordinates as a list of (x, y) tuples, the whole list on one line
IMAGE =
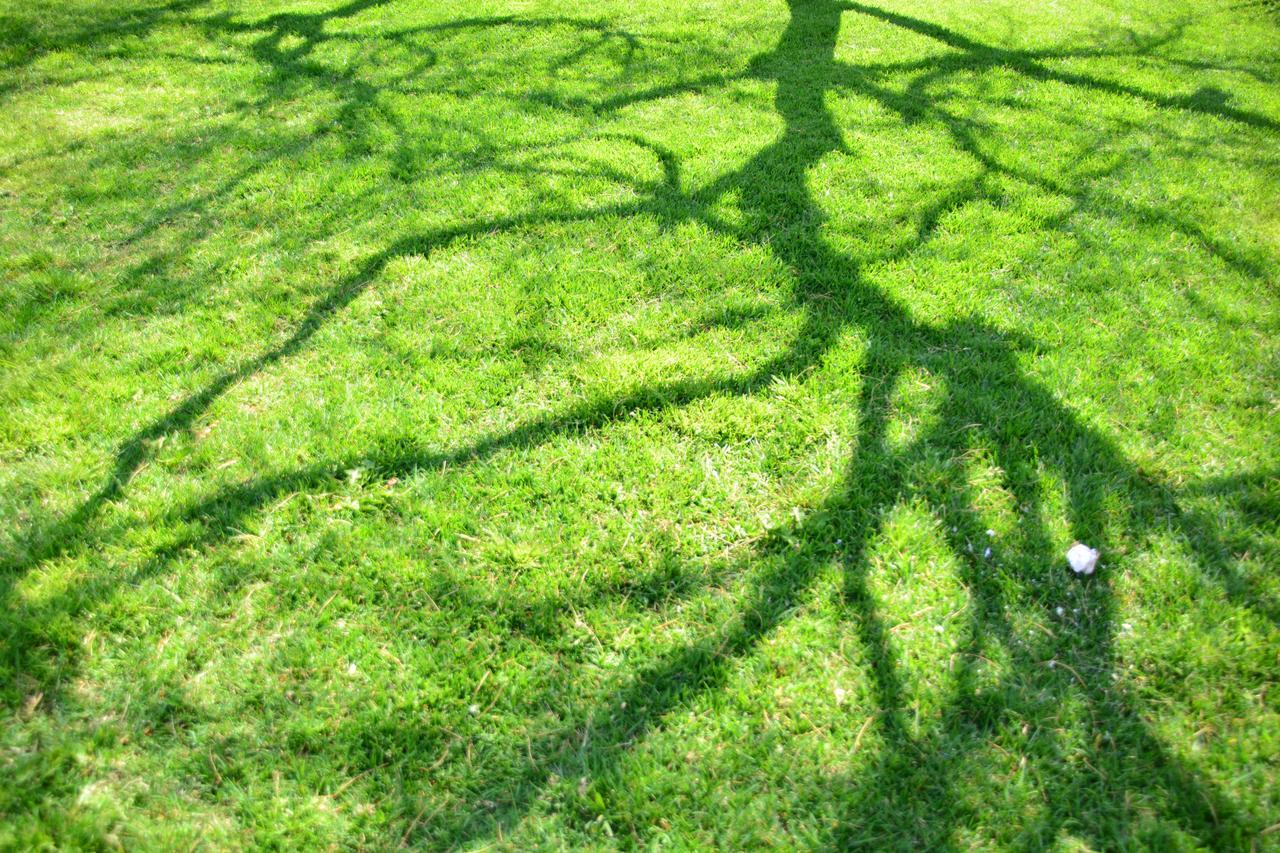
[(991, 532), (1059, 611), (1082, 559)]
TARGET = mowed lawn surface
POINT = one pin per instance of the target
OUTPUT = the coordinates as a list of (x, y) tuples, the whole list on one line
[(537, 424)]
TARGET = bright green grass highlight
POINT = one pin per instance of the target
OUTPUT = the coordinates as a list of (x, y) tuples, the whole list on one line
[(529, 424)]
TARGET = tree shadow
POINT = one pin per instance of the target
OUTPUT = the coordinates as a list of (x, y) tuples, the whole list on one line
[(29, 44), (988, 401)]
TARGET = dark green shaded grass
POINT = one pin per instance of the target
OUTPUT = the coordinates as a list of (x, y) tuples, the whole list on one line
[(660, 425)]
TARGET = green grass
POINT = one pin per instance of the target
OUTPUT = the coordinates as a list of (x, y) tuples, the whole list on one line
[(529, 424)]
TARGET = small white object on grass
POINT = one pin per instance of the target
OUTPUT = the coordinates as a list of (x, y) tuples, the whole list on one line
[(1082, 558)]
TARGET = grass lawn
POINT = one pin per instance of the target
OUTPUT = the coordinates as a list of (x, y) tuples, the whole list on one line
[(533, 424)]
